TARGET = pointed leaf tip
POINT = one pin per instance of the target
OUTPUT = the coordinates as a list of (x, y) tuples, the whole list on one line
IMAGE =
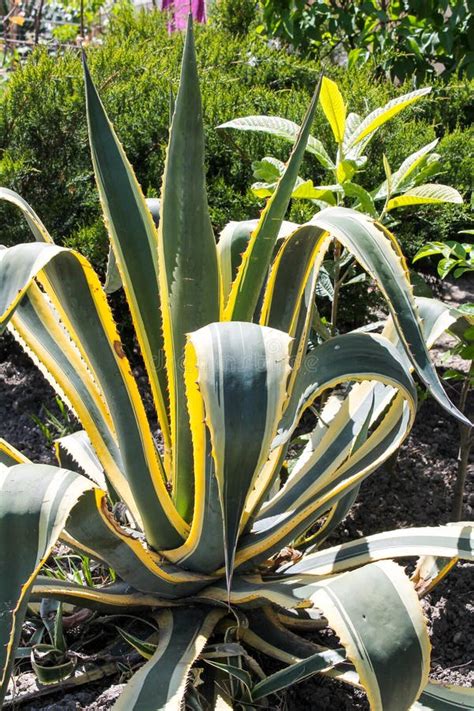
[(85, 66)]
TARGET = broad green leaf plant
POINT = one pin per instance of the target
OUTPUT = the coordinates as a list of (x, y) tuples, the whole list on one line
[(352, 134), (201, 534), (406, 39)]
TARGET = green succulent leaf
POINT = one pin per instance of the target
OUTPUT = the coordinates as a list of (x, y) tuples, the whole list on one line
[(451, 541), (34, 505), (112, 598), (113, 280), (79, 300), (233, 671), (10, 456), (91, 527), (318, 662), (188, 270), (256, 260), (51, 665), (36, 327), (75, 452), (233, 242), (37, 228), (249, 362), (437, 697), (161, 682), (134, 242), (379, 255), (145, 648)]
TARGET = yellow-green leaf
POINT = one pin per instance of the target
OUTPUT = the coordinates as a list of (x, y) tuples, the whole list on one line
[(383, 114), (429, 194), (334, 107)]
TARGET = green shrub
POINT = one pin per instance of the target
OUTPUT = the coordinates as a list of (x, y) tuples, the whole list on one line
[(413, 39), (423, 225), (43, 136), (234, 16)]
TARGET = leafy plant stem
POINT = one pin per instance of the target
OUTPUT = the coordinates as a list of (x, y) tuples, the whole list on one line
[(345, 274), (465, 445), (337, 286)]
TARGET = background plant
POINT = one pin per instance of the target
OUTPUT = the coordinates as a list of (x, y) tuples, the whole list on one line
[(408, 38), (197, 532), (352, 133), (138, 61)]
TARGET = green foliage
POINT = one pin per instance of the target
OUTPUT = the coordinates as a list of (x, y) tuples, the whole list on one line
[(43, 133), (457, 257), (412, 39), (345, 167), (91, 242), (43, 137), (234, 16), (53, 425), (423, 225), (199, 531), (456, 150)]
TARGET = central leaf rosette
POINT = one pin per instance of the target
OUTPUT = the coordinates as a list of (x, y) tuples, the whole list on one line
[(236, 376)]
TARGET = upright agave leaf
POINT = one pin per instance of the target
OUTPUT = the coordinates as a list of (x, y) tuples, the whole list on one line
[(189, 282), (256, 260), (134, 243)]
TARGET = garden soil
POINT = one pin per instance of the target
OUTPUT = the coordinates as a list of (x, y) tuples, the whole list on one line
[(414, 491)]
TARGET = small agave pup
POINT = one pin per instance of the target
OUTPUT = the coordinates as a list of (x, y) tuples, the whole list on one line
[(206, 521)]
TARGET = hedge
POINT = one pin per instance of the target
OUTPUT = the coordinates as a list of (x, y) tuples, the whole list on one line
[(45, 156)]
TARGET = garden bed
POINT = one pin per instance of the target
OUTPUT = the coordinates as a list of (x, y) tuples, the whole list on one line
[(416, 492)]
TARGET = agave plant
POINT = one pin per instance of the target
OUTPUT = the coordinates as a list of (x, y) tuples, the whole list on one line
[(201, 533)]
